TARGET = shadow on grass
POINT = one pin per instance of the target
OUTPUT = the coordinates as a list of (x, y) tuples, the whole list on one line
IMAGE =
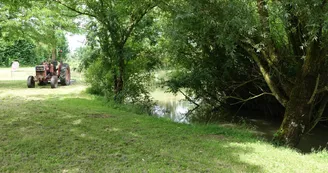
[(266, 128)]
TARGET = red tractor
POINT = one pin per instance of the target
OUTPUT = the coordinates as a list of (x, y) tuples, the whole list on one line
[(48, 73)]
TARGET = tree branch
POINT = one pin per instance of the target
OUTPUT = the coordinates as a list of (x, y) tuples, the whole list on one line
[(248, 99), (262, 8), (277, 93), (319, 113), (188, 98), (315, 90), (75, 10), (242, 84), (285, 83), (324, 89), (135, 23)]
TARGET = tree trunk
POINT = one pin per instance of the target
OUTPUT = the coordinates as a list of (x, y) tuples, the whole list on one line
[(299, 109), (119, 79), (53, 57), (115, 80), (297, 118)]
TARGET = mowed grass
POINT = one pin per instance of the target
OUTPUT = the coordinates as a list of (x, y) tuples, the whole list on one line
[(66, 130)]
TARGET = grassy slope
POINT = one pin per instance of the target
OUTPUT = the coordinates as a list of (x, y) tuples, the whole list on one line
[(64, 130)]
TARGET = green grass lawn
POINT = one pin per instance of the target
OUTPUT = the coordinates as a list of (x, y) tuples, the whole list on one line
[(66, 130)]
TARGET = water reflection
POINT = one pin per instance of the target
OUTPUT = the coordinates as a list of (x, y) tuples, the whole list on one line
[(171, 106), (175, 110)]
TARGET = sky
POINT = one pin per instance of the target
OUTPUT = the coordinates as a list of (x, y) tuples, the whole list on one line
[(75, 41)]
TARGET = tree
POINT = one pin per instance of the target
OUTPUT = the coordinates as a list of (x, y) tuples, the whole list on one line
[(302, 94), (207, 71), (286, 41), (114, 24)]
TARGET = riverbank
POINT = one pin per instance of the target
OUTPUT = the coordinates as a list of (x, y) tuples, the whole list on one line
[(67, 130)]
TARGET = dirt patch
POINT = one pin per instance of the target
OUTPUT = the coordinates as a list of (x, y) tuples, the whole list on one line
[(100, 116)]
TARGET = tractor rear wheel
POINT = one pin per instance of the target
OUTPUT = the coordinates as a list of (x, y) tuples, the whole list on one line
[(54, 82), (30, 82), (65, 75)]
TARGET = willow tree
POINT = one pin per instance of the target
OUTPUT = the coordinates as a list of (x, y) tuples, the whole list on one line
[(303, 94), (285, 39)]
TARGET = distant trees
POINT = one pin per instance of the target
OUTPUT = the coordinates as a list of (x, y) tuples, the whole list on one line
[(21, 50), (39, 23), (29, 53)]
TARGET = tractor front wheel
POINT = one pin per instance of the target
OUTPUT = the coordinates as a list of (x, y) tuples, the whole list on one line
[(30, 82), (54, 82)]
